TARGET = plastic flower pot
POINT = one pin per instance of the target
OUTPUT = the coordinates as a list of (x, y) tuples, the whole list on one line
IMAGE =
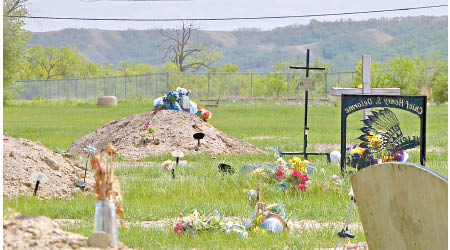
[(105, 220)]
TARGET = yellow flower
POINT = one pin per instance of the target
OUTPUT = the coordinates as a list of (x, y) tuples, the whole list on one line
[(299, 165), (374, 139), (358, 150), (258, 219), (258, 171)]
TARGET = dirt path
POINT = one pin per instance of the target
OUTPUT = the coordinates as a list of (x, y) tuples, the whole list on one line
[(297, 225)]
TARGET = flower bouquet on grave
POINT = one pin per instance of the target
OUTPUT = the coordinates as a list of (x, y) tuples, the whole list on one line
[(107, 190), (199, 223), (145, 135), (284, 178), (382, 141)]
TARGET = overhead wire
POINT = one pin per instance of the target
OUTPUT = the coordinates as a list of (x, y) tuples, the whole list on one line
[(227, 18)]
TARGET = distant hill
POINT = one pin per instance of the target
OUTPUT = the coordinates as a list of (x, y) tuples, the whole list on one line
[(339, 44)]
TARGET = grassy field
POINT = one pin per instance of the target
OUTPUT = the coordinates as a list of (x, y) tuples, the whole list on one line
[(151, 194)]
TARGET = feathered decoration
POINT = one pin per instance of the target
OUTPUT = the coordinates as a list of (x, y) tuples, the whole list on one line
[(383, 128)]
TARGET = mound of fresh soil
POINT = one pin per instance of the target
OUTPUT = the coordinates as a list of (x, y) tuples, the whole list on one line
[(40, 232), (22, 158), (173, 130)]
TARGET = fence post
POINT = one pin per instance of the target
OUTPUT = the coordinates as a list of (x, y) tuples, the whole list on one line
[(156, 86), (339, 79), (58, 89), (104, 86), (115, 88), (95, 89), (208, 83), (326, 85), (85, 89), (146, 85), (251, 85), (167, 81), (49, 93), (287, 82), (126, 86), (135, 95)]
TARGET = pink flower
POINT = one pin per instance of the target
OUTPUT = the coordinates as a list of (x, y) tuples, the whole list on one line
[(178, 228), (301, 187), (180, 214), (147, 125), (296, 173), (279, 174), (304, 178)]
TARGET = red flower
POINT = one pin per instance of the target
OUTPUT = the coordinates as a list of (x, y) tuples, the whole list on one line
[(301, 187), (279, 174), (179, 228), (304, 178), (296, 173)]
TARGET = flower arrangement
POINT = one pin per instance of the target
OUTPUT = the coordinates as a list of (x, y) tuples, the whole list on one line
[(146, 133), (382, 141), (107, 186), (204, 114), (197, 222), (294, 178)]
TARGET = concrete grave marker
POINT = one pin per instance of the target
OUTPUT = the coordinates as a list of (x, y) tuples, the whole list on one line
[(402, 206)]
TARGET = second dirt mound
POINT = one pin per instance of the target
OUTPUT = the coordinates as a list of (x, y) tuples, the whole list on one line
[(173, 129), (22, 158)]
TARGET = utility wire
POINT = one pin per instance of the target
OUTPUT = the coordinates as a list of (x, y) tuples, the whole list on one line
[(226, 18)]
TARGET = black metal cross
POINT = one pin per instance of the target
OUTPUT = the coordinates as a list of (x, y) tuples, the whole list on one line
[(306, 128)]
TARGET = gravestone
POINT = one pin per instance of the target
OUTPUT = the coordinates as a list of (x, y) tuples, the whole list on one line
[(415, 104), (402, 206)]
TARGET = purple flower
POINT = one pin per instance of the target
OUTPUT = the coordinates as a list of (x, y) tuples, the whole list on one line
[(397, 154), (147, 125)]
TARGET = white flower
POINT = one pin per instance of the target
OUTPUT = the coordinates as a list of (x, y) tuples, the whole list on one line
[(167, 165)]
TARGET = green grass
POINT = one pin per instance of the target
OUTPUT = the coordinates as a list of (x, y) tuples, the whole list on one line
[(151, 194)]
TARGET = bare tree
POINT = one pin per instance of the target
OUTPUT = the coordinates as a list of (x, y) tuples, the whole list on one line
[(183, 52)]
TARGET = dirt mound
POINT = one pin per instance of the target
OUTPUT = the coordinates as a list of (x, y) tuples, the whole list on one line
[(173, 129), (22, 158), (40, 232)]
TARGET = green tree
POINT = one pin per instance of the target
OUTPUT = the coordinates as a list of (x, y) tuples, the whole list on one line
[(15, 38), (440, 85)]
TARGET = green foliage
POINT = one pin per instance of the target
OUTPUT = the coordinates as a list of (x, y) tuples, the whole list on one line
[(15, 38), (440, 85), (410, 75)]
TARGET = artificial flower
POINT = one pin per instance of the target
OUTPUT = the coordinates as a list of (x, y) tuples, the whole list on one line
[(279, 174), (147, 125), (374, 139), (280, 162), (301, 187), (296, 174), (357, 152), (304, 178), (298, 164), (179, 228)]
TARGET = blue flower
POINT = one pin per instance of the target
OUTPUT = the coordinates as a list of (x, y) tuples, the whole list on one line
[(90, 149)]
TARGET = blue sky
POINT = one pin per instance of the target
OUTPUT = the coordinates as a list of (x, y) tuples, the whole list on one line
[(209, 9)]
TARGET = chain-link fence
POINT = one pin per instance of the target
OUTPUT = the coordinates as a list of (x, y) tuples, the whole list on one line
[(211, 86)]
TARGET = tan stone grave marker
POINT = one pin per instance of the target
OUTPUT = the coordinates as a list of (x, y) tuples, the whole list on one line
[(402, 206)]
